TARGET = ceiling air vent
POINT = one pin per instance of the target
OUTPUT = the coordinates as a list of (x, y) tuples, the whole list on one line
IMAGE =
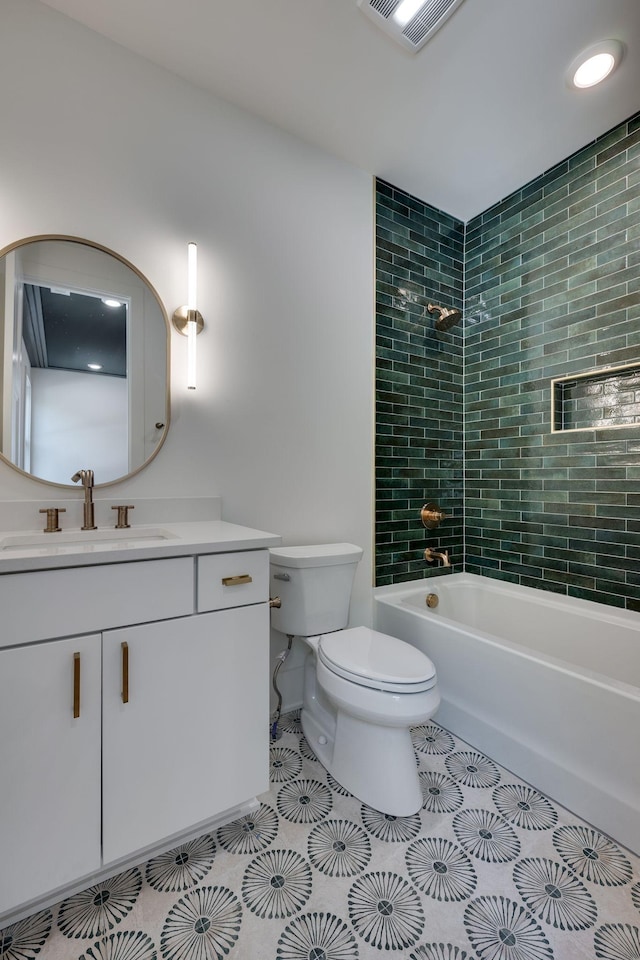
[(410, 22)]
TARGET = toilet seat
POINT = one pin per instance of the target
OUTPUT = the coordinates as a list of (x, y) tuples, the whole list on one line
[(376, 660)]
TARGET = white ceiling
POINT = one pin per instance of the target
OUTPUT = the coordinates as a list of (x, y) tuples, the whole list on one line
[(479, 111)]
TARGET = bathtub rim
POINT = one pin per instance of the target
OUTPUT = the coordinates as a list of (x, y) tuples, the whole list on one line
[(392, 595)]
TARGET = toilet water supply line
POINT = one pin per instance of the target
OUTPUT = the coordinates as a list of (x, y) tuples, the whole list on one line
[(280, 659)]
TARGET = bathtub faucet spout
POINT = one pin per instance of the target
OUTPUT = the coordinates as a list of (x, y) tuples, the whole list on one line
[(430, 555)]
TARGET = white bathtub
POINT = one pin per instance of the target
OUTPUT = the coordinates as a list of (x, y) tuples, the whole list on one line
[(548, 686)]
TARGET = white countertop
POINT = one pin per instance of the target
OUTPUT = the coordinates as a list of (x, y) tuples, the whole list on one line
[(32, 550)]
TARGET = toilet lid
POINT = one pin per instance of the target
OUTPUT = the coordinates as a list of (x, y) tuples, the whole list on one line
[(377, 660)]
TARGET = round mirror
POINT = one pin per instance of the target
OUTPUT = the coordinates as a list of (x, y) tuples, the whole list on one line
[(84, 361)]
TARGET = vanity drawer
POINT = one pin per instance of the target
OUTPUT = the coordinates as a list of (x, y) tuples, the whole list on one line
[(59, 603), (246, 574)]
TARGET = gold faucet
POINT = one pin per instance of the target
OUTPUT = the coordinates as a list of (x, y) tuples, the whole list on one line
[(87, 482), (430, 555)]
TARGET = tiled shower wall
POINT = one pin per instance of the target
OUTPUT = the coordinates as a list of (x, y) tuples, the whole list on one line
[(552, 277), (418, 383)]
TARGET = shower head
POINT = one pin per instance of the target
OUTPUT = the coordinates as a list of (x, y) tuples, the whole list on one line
[(448, 316)]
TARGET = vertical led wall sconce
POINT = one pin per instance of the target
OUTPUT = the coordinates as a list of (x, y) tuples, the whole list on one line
[(187, 319)]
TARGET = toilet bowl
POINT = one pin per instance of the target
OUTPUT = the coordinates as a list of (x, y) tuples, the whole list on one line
[(363, 690)]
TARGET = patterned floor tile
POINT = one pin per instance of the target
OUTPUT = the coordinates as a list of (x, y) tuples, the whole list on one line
[(489, 869)]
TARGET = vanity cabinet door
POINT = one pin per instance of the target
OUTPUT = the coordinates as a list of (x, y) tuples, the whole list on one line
[(192, 739), (49, 767)]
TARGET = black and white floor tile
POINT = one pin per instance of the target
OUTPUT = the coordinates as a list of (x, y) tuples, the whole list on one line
[(489, 869)]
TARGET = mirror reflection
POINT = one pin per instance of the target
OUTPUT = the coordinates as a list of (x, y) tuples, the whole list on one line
[(84, 361)]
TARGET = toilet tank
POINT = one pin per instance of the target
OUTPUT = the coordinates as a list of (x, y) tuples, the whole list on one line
[(314, 584)]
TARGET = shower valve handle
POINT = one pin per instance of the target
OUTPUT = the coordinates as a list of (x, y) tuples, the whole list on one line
[(431, 515)]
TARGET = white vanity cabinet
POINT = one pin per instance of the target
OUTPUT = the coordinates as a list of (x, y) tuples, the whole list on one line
[(49, 766), (166, 666), (192, 739)]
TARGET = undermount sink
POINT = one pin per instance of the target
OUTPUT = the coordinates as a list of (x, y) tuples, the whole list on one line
[(68, 541)]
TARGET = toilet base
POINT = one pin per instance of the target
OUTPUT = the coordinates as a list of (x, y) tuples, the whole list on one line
[(376, 764), (362, 737), (316, 736)]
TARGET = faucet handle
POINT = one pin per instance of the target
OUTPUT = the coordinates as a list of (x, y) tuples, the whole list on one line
[(52, 518), (431, 515), (123, 515)]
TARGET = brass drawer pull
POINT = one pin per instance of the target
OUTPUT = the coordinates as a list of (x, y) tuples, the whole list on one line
[(125, 671), (76, 686), (236, 581)]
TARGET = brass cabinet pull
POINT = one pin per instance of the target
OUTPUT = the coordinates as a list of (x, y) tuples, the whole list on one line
[(125, 671), (76, 686), (236, 581)]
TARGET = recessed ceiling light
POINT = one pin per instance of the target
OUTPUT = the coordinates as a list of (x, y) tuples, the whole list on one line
[(110, 302), (595, 64), (94, 366)]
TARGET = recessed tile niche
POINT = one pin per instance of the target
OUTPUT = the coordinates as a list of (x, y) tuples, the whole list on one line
[(596, 399)]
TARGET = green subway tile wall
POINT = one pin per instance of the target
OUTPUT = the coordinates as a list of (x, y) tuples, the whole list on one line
[(551, 288), (552, 277), (418, 384)]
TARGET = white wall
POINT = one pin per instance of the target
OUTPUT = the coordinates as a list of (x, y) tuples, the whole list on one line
[(101, 144)]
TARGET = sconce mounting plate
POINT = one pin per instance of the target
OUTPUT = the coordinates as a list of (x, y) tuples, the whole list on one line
[(181, 318)]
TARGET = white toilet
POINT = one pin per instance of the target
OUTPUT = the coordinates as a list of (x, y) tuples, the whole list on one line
[(363, 690)]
